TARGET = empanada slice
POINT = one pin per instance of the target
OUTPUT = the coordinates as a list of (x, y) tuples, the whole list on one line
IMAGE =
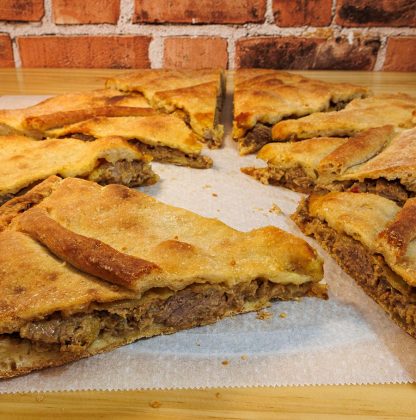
[(71, 108), (196, 96), (373, 240), (165, 137), (25, 162), (379, 160), (359, 115), (263, 97), (105, 266)]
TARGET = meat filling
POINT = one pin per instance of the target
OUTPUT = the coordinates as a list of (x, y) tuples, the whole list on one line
[(196, 305), (368, 269), (168, 155), (129, 173), (294, 178), (393, 190), (256, 138)]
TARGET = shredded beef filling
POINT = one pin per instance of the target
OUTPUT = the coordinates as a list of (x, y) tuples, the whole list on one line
[(129, 173), (256, 138), (168, 155), (369, 270), (196, 305), (393, 190)]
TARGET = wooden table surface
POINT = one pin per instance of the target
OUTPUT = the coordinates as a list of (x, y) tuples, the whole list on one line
[(364, 401)]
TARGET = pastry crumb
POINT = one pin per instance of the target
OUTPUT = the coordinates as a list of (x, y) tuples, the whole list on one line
[(263, 315), (275, 209), (214, 194), (217, 395), (244, 357), (233, 263), (207, 186), (155, 404), (225, 362), (283, 314), (258, 209)]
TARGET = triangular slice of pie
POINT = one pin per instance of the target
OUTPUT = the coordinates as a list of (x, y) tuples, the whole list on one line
[(360, 114), (379, 160), (105, 266), (196, 96), (373, 240), (262, 98), (165, 137), (25, 162), (71, 108)]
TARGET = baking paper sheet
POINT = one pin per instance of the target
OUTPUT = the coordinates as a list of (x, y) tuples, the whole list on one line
[(345, 340)]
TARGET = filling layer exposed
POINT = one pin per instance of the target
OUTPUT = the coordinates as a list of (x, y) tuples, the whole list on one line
[(159, 311), (368, 269)]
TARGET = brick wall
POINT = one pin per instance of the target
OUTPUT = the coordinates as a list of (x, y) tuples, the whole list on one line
[(286, 34)]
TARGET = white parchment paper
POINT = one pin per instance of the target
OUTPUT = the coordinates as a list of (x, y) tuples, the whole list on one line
[(345, 340)]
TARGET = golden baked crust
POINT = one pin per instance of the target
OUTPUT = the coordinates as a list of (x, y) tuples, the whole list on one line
[(71, 108), (380, 160), (294, 164), (358, 115), (193, 95), (155, 131), (117, 236), (268, 96), (24, 161), (373, 239)]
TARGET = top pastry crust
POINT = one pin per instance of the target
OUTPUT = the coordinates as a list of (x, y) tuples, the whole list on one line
[(125, 237), (268, 96), (23, 161), (71, 108), (375, 221), (154, 130), (358, 115), (193, 95)]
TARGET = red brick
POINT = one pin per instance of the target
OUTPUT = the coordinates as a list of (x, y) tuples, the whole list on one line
[(401, 54), (84, 51), (302, 12), (200, 11), (85, 11), (194, 53), (6, 52), (307, 53), (24, 10), (376, 13)]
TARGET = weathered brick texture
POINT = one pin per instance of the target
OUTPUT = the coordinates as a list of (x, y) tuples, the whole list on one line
[(21, 10), (283, 34), (195, 53), (302, 12), (376, 13), (84, 51), (6, 52), (85, 11), (200, 11), (307, 53), (401, 54)]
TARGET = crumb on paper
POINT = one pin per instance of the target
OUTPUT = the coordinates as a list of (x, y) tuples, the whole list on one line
[(263, 315), (214, 194), (244, 357), (283, 315), (217, 395), (275, 209), (155, 404), (207, 186), (258, 209), (225, 362)]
